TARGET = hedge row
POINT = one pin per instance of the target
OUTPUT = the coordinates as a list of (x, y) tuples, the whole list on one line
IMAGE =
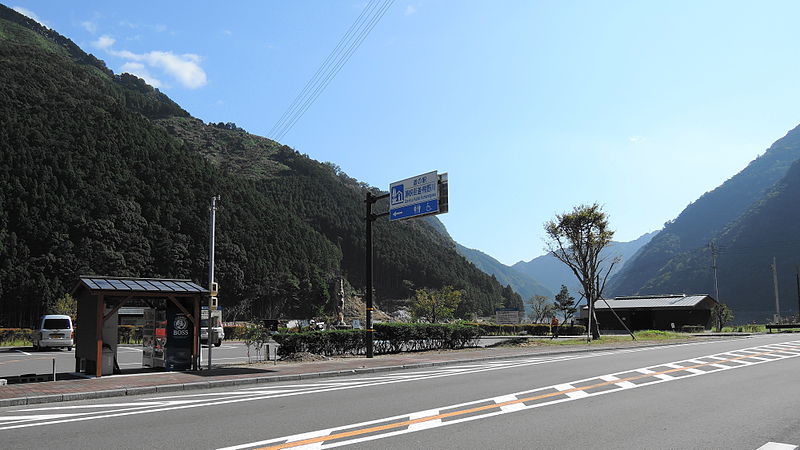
[(9, 335), (389, 338), (531, 329)]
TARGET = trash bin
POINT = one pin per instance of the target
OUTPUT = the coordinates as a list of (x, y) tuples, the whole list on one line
[(108, 361), (272, 350)]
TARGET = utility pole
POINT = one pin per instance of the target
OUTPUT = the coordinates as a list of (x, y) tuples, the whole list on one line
[(798, 294), (714, 252), (371, 199), (775, 285), (211, 271)]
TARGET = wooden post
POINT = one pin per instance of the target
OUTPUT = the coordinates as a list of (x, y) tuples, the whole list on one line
[(196, 339), (98, 333)]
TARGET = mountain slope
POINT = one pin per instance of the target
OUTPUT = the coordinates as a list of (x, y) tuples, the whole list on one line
[(770, 228), (552, 273), (523, 284), (706, 218), (102, 174)]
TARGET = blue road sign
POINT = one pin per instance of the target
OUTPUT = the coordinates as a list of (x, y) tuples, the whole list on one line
[(413, 197)]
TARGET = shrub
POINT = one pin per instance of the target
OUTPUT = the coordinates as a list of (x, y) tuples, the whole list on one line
[(15, 335), (129, 334), (236, 332), (692, 329), (531, 329), (389, 338)]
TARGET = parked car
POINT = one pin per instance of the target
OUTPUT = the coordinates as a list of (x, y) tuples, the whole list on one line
[(54, 330), (216, 329)]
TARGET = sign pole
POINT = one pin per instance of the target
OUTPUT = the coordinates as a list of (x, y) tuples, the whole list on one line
[(211, 271), (368, 269)]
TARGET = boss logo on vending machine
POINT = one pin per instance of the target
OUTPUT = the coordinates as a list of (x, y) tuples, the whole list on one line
[(180, 327)]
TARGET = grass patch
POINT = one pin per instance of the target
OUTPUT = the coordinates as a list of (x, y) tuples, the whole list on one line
[(17, 343), (749, 328), (644, 335)]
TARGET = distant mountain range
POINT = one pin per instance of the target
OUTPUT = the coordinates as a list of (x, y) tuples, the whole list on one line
[(552, 273), (523, 284), (751, 218), (545, 274)]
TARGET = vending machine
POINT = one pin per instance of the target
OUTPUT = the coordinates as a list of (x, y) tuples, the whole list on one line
[(154, 337), (180, 339)]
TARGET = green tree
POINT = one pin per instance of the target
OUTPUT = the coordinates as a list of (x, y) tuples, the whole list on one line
[(576, 239), (66, 305), (565, 303), (434, 306), (540, 308), (722, 315)]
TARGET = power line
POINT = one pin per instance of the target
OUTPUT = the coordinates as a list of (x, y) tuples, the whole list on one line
[(347, 45), (313, 80)]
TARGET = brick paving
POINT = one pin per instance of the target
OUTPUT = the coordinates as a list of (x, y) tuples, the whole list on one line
[(141, 382)]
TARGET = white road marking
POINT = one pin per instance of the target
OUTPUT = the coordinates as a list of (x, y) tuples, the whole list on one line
[(24, 353), (776, 446), (470, 408), (688, 369), (311, 388), (424, 425), (568, 387), (622, 384)]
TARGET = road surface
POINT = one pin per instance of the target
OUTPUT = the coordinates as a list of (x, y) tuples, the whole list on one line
[(736, 394), (24, 360)]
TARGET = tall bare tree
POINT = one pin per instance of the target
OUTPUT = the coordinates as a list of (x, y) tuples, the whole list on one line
[(540, 308), (576, 239)]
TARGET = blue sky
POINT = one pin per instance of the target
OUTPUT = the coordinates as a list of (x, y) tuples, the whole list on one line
[(531, 107)]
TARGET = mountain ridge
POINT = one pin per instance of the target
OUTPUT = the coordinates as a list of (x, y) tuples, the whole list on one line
[(103, 174)]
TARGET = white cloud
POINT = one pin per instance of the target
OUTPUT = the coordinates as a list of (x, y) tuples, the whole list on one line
[(138, 69), (29, 14), (410, 9), (183, 68), (636, 139), (104, 42), (227, 32), (89, 26), (160, 28)]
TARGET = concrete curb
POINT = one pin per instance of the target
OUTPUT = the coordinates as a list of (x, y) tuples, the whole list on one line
[(122, 392)]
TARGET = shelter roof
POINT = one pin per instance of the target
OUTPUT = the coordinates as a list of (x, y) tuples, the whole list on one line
[(142, 285), (654, 301)]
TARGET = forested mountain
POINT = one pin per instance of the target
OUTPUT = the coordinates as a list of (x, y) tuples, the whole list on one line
[(743, 217), (102, 174), (525, 285), (552, 273)]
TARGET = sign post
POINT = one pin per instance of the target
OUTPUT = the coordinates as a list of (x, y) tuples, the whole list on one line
[(418, 196), (414, 197)]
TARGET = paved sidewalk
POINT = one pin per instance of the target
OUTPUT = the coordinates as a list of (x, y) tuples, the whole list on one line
[(157, 381)]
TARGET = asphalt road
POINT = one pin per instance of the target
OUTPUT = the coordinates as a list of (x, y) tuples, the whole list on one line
[(24, 360), (737, 394)]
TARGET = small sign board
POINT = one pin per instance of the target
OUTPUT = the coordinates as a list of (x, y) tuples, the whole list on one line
[(507, 316), (414, 197)]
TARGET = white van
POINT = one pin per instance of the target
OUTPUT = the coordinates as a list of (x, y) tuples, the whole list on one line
[(54, 330)]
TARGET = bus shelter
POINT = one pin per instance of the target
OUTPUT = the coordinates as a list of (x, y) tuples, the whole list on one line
[(99, 301)]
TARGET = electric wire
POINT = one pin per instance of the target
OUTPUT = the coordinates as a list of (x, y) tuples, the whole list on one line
[(332, 65), (313, 80), (340, 63)]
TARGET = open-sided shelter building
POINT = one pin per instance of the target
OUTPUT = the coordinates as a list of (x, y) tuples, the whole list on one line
[(99, 301), (654, 312)]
